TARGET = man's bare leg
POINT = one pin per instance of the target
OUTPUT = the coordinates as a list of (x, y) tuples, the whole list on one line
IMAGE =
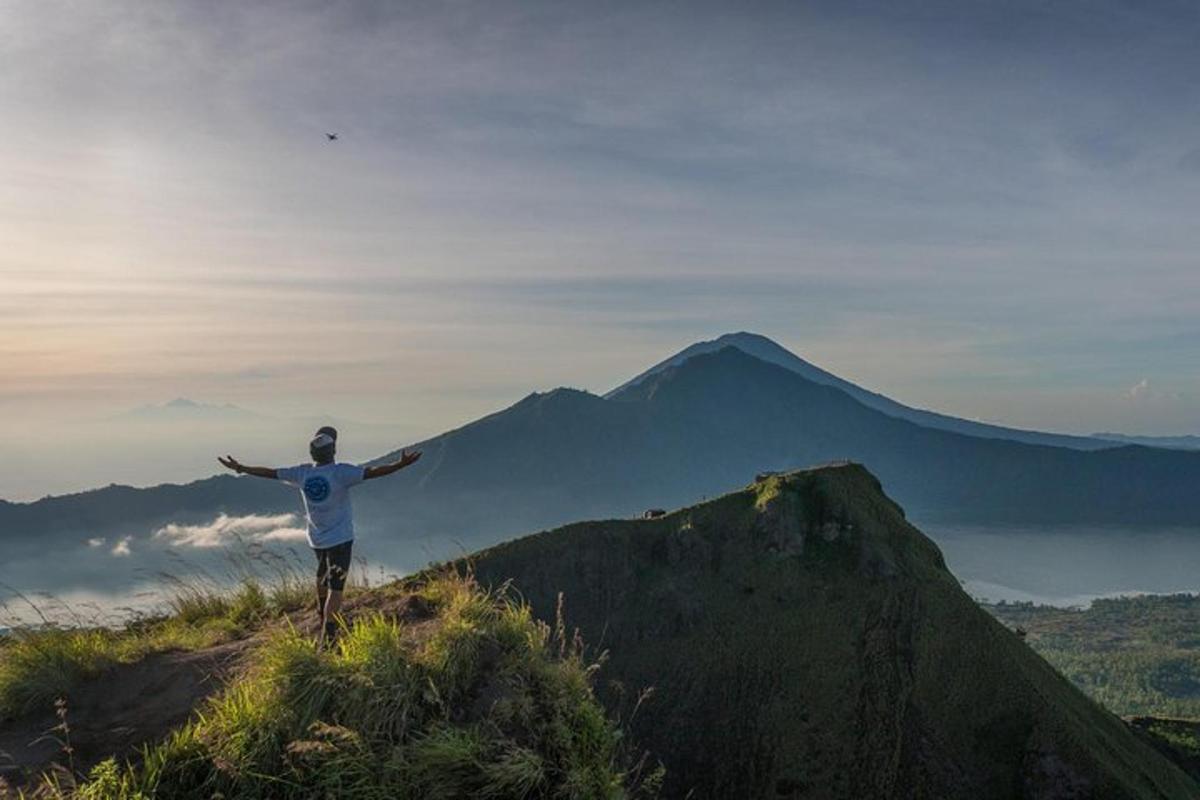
[(333, 605), (322, 595)]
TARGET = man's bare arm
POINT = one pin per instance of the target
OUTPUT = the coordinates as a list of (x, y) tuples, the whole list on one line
[(406, 458), (229, 462)]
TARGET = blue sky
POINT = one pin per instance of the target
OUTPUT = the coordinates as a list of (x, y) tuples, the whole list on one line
[(984, 208)]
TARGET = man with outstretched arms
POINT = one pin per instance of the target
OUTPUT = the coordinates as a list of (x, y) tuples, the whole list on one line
[(325, 488)]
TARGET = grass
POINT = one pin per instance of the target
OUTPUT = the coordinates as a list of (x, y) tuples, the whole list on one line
[(40, 664), (1184, 737), (1134, 655), (1177, 739), (479, 700), (37, 668)]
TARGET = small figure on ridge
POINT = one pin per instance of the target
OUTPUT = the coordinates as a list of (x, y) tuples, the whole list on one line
[(325, 489)]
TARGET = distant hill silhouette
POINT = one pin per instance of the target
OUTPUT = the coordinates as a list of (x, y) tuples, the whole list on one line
[(684, 433), (803, 640), (1172, 442), (182, 408)]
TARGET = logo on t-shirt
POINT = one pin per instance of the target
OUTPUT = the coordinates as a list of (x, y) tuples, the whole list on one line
[(316, 488)]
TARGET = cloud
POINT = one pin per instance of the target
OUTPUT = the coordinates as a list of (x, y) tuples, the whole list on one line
[(528, 143), (253, 374), (121, 548), (1139, 389), (226, 530)]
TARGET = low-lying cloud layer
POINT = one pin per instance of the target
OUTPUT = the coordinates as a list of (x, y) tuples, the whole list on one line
[(226, 531)]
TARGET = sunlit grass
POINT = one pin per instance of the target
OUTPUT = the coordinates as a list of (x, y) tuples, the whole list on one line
[(477, 699), (36, 668), (39, 664)]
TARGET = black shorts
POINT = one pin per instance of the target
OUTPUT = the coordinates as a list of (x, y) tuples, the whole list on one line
[(333, 565)]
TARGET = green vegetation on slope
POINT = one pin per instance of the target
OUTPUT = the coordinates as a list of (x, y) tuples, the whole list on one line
[(1177, 739), (40, 665), (1134, 655), (805, 641), (468, 697)]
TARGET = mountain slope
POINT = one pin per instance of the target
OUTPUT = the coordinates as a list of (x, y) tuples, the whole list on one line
[(804, 640), (765, 349), (718, 418)]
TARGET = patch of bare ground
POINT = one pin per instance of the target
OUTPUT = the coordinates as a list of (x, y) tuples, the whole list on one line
[(116, 712), (130, 705)]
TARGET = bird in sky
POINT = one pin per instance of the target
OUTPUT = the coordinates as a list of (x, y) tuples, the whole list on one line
[(331, 137)]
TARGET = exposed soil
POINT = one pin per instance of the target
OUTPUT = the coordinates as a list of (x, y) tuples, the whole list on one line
[(126, 706)]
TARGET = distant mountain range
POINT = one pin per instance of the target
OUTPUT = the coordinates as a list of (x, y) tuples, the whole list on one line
[(683, 431), (181, 408), (717, 418), (1171, 442), (171, 442)]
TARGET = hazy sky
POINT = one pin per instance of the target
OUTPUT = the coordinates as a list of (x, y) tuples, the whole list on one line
[(987, 208)]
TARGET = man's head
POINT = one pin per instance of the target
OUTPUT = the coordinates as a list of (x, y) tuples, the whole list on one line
[(323, 445)]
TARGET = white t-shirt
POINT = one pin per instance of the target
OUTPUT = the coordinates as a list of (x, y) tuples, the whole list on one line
[(326, 492)]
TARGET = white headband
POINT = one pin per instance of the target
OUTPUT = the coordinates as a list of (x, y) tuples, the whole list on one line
[(321, 440)]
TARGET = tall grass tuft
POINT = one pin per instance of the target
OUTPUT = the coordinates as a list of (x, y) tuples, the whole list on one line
[(195, 599), (38, 667)]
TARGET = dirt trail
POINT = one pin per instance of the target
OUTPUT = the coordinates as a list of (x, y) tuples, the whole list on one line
[(133, 704), (124, 707)]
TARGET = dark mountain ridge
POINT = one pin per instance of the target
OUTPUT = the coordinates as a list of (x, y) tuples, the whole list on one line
[(804, 640), (721, 417)]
